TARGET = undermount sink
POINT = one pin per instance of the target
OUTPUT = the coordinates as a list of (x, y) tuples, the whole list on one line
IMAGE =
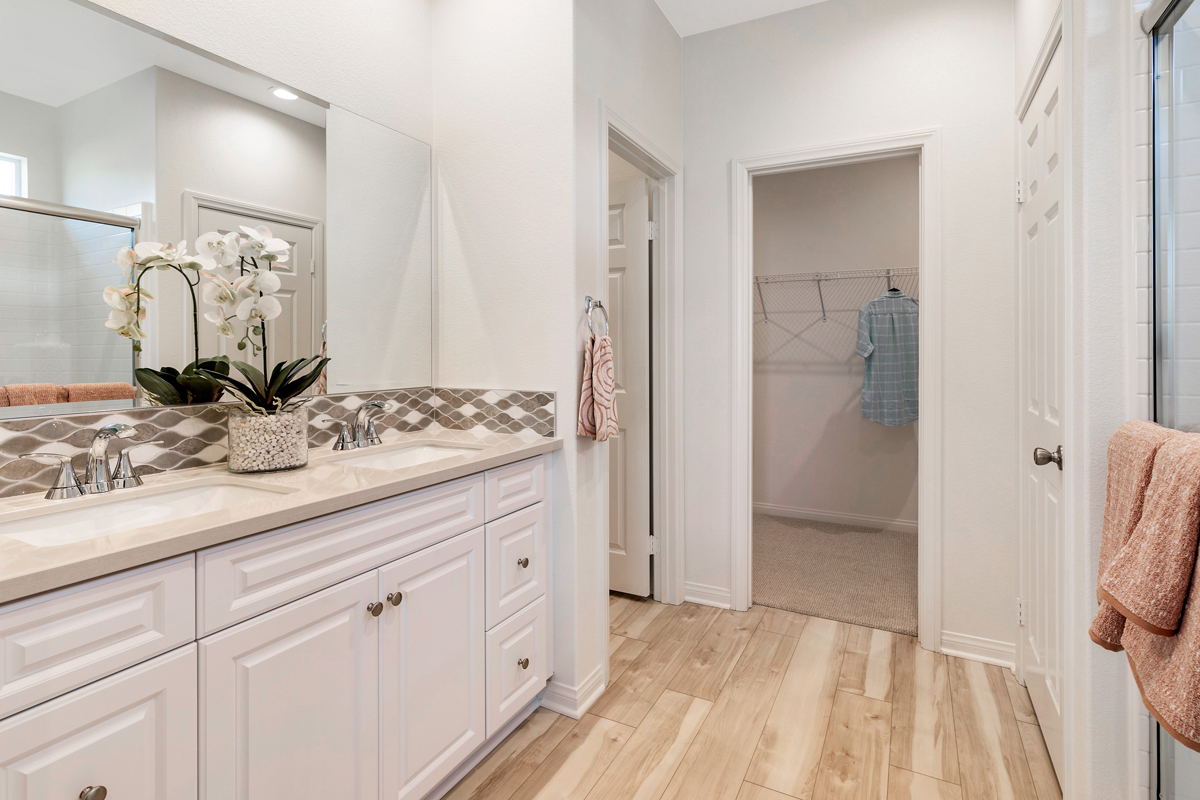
[(399, 456), (129, 509)]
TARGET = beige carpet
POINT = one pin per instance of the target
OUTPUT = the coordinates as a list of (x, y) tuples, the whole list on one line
[(859, 575)]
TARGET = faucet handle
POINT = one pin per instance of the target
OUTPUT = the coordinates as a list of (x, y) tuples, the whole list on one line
[(66, 484), (371, 436), (123, 477), (345, 440)]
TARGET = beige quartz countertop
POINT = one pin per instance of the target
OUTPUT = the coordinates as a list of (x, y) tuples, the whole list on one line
[(325, 486)]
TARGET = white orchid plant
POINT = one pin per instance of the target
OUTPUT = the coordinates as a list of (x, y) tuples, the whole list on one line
[(236, 272)]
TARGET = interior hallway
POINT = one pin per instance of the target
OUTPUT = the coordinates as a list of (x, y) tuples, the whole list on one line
[(705, 704)]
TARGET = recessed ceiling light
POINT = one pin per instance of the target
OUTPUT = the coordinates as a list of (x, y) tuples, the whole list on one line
[(284, 94)]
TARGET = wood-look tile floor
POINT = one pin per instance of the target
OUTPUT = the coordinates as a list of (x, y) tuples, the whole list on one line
[(705, 704)]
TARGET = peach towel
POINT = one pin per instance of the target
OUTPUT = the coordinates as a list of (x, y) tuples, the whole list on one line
[(86, 392), (31, 394), (1147, 579), (604, 394), (1131, 452), (587, 411)]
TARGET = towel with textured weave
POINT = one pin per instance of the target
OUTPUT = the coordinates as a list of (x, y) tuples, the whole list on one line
[(32, 394), (1131, 452), (87, 392), (604, 389), (1147, 580)]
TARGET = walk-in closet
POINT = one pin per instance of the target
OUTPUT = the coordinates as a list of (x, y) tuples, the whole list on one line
[(836, 397)]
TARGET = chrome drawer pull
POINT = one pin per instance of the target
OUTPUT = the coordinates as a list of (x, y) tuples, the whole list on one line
[(93, 793), (396, 598), (375, 608), (523, 663), (523, 563)]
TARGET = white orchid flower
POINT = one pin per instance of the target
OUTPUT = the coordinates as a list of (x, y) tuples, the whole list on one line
[(259, 308), (127, 259), (157, 254), (224, 326), (259, 243), (220, 292), (258, 281), (224, 250), (124, 298), (126, 323)]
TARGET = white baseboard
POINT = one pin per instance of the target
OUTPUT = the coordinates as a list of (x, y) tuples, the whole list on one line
[(837, 517), (704, 595), (976, 648), (486, 748), (574, 701)]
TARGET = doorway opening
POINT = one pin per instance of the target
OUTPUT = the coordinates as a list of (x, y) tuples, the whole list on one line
[(825, 335), (836, 307)]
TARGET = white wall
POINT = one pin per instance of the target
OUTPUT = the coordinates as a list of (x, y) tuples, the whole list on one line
[(372, 57), (814, 454), (839, 71), (107, 141), (30, 129), (215, 143)]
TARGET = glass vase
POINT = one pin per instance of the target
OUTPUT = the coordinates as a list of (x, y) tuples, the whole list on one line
[(267, 442)]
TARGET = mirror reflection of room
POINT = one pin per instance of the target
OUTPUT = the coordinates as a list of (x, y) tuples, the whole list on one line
[(125, 140)]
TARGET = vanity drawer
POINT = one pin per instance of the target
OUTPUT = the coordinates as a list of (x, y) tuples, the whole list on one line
[(517, 567), (246, 578), (57, 642), (512, 682), (516, 486)]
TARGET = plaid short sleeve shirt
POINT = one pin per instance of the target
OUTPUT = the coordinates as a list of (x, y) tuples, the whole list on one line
[(887, 339)]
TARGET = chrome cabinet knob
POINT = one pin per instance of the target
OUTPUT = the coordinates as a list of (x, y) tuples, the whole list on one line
[(93, 793), (375, 609), (523, 663), (523, 563), (1042, 457), (396, 598)]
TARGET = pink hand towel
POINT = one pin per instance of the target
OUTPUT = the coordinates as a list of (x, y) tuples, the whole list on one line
[(604, 389), (587, 412), (1131, 452)]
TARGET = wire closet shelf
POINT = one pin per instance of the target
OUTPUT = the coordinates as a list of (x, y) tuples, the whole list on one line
[(811, 319)]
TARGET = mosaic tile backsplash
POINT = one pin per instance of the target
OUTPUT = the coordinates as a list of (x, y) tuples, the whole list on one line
[(195, 436)]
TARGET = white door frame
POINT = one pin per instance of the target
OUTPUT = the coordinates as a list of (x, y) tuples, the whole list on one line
[(666, 376), (926, 145), (194, 201)]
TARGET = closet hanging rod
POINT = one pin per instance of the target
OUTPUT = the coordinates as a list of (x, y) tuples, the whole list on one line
[(837, 276)]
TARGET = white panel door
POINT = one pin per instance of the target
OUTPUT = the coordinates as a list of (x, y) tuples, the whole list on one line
[(290, 701), (134, 734), (432, 664), (1042, 378), (629, 316), (296, 332)]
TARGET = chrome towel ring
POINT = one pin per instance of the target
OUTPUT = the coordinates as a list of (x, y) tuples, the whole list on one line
[(588, 306)]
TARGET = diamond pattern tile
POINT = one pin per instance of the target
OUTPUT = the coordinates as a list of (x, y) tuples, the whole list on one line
[(195, 436)]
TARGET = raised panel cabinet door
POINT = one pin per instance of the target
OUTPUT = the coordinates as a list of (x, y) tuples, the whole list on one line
[(517, 666), (516, 562), (134, 734), (59, 641), (289, 701), (432, 664)]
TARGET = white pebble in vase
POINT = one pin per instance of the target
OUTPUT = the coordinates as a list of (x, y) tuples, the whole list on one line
[(267, 442)]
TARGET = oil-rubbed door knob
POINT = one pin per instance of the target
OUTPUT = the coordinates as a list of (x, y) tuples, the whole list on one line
[(376, 609), (523, 563), (396, 598), (523, 663), (93, 793), (1042, 457)]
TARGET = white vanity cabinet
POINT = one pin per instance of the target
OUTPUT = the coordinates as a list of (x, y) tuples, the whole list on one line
[(133, 733), (362, 655)]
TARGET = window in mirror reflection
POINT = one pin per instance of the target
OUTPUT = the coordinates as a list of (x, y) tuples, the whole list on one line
[(12, 175)]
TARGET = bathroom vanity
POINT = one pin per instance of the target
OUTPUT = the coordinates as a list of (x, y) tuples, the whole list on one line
[(351, 631)]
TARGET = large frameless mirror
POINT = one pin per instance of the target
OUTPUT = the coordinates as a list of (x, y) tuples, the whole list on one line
[(119, 148)]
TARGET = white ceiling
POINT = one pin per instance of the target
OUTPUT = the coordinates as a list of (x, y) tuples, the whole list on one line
[(56, 51), (697, 16)]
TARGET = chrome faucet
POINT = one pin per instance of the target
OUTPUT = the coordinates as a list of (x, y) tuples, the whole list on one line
[(98, 477), (364, 426)]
